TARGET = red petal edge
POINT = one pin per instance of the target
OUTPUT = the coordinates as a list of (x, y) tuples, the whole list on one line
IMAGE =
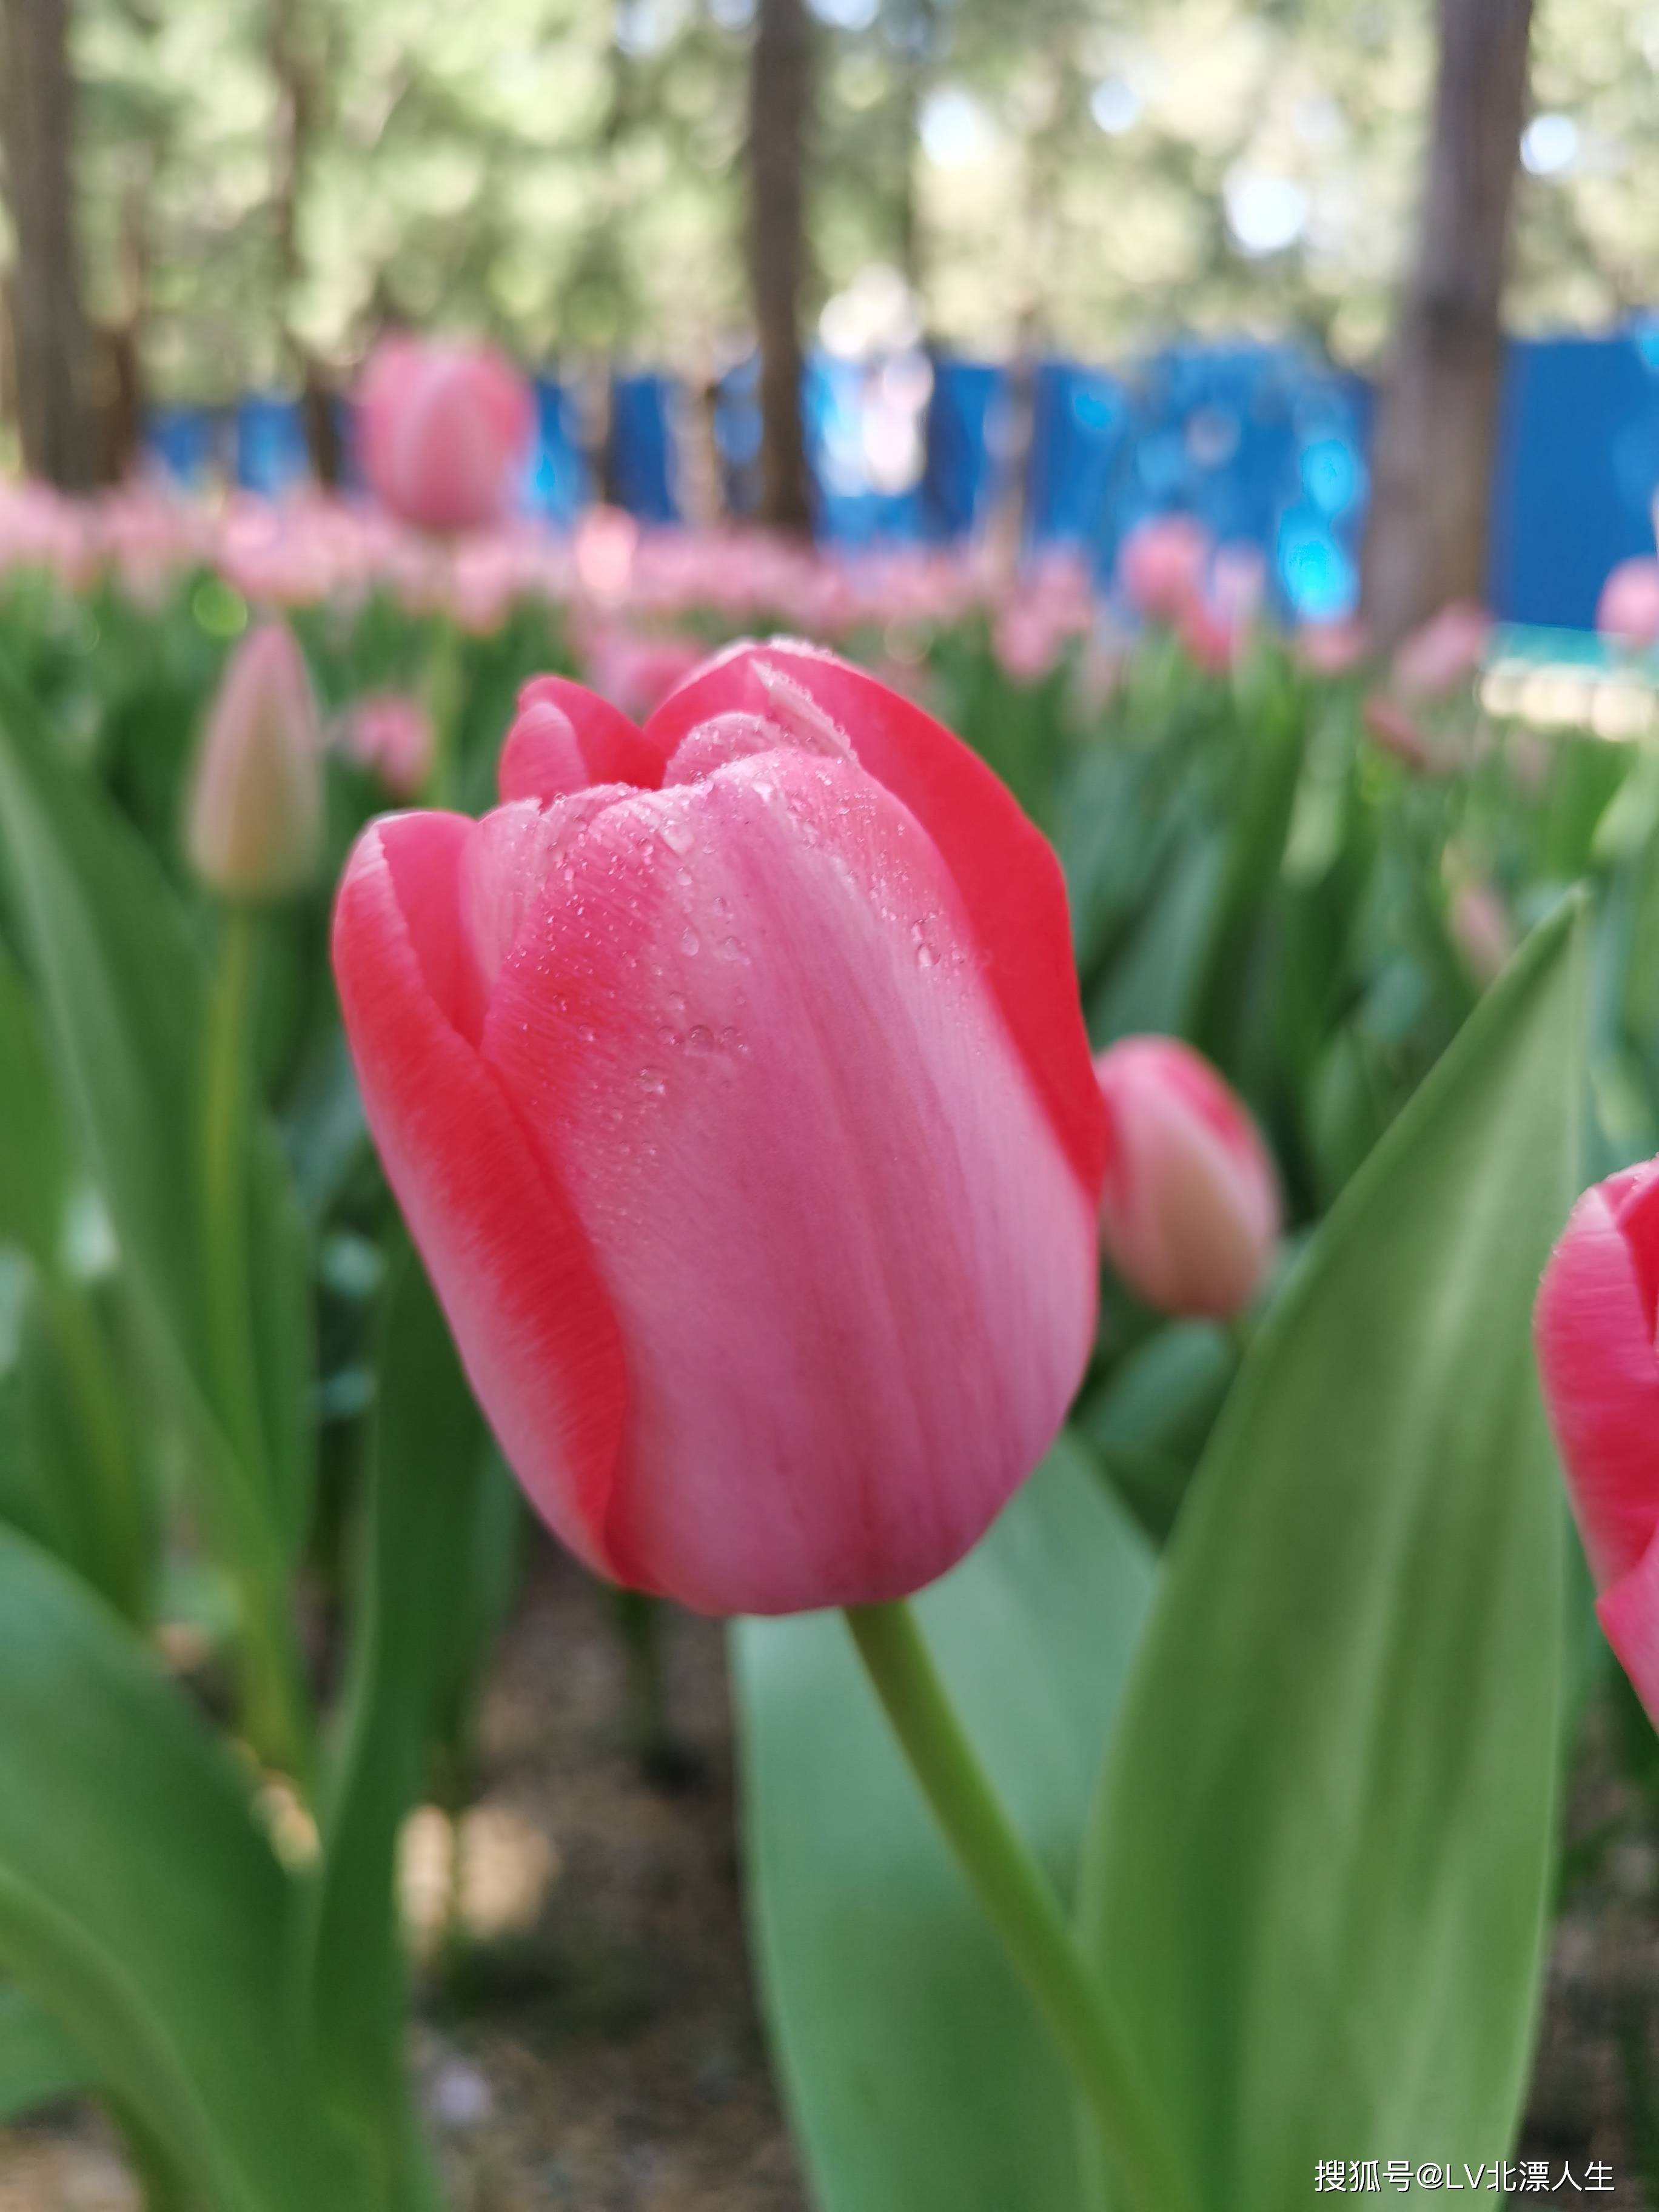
[(508, 1259)]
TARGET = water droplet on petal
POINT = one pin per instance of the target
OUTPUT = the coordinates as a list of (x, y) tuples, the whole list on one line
[(689, 943), (677, 836), (698, 1040), (729, 948), (652, 1082)]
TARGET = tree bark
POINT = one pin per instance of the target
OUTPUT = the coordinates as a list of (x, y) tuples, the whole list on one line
[(779, 99), (53, 362), (1432, 458)]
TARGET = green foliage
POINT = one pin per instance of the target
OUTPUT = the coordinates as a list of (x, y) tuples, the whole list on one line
[(1318, 1876), (917, 2068)]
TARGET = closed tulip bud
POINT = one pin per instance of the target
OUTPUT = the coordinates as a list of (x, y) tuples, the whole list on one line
[(1594, 1327), (1190, 1214), (445, 433), (1161, 565), (733, 1085), (254, 820), (1627, 611)]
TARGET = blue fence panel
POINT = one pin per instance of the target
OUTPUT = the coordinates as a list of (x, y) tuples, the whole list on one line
[(1577, 467), (184, 441), (865, 445), (558, 481), (966, 418), (1082, 422), (737, 431), (643, 458), (272, 453)]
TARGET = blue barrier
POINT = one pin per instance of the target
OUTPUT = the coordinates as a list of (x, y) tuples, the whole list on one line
[(642, 446), (1265, 444), (1578, 466), (272, 453)]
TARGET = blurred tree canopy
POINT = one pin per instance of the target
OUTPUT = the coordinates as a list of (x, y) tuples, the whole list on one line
[(261, 182)]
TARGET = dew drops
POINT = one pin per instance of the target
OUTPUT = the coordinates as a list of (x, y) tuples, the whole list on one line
[(729, 948), (926, 956), (675, 1006), (584, 1033), (698, 1040), (678, 837), (733, 1041), (652, 1082), (689, 943)]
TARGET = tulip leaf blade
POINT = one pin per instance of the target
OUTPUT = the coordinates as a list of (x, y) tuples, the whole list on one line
[(1317, 1878), (40, 2061), (427, 1469), (917, 2070), (141, 1906)]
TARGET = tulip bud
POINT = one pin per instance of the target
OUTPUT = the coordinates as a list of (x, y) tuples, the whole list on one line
[(1594, 1329), (391, 734), (254, 821), (732, 1078), (445, 431), (1190, 1214), (1161, 565)]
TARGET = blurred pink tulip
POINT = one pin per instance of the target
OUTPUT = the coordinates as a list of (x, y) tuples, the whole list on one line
[(1594, 1327), (1332, 648), (735, 1089), (1480, 929), (1190, 1213), (1397, 731), (391, 734), (1628, 608), (445, 432), (1444, 653), (1161, 565), (635, 669), (254, 808)]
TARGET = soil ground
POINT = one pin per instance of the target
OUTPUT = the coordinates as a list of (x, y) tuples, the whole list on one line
[(599, 2051)]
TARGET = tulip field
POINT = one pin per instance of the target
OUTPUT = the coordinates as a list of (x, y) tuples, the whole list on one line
[(1001, 1137)]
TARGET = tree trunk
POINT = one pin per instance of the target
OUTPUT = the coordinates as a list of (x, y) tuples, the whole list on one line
[(779, 95), (1432, 458), (52, 354)]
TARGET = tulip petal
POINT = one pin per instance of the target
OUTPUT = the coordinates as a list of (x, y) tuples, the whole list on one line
[(1601, 1378), (1003, 868), (1629, 1615), (854, 1271), (507, 1255), (612, 750)]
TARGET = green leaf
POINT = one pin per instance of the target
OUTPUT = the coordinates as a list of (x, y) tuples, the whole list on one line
[(917, 2070), (140, 1904), (1317, 1878), (35, 1164), (39, 2061), (122, 988), (428, 1459)]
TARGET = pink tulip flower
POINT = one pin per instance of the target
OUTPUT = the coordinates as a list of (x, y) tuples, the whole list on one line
[(445, 431), (1628, 608), (1161, 565), (1595, 1328), (1332, 648), (254, 810), (1481, 928), (1190, 1213), (731, 1078), (1397, 731), (391, 734), (1443, 654)]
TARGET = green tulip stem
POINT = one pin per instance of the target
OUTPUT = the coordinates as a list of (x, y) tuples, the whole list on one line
[(1019, 1900), (276, 1716), (226, 1133)]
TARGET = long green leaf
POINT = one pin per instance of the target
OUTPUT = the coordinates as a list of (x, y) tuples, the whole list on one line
[(122, 988), (917, 2070), (141, 1905), (428, 1452), (40, 2061), (1318, 1881)]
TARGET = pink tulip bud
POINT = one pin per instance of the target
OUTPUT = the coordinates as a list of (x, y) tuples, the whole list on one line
[(1398, 731), (445, 432), (391, 734), (1161, 564), (1628, 608), (1481, 928), (1332, 648), (731, 1078), (254, 817), (1594, 1328), (1443, 654), (1190, 1213)]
